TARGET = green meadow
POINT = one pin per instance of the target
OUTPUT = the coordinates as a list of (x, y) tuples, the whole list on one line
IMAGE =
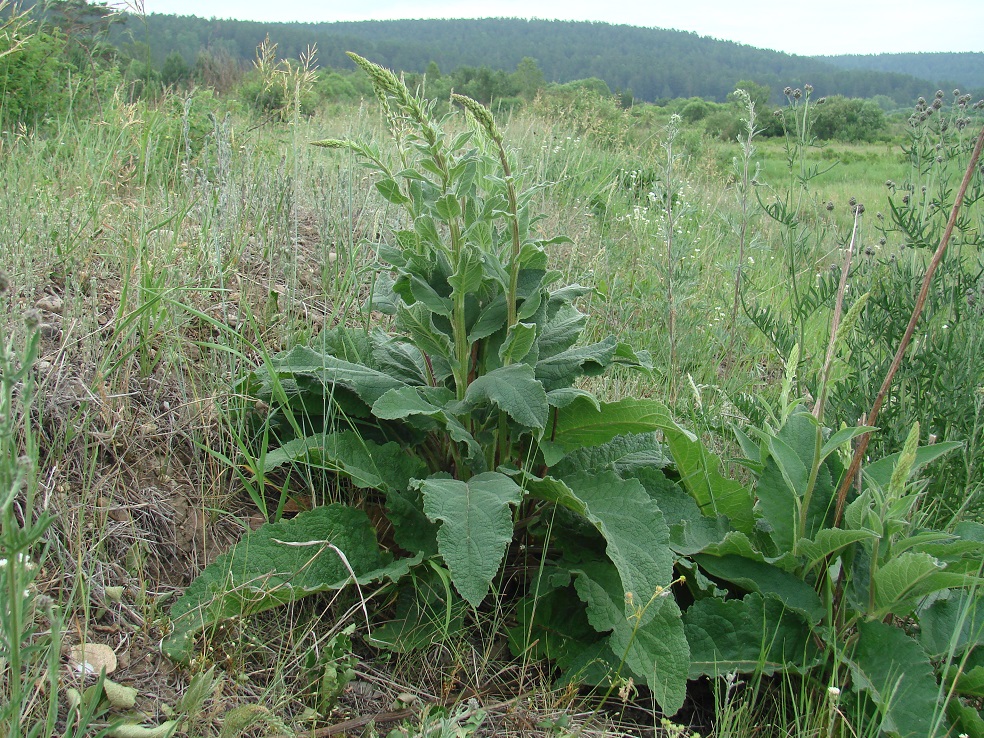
[(640, 354)]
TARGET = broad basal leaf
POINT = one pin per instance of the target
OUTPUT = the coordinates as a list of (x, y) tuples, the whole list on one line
[(263, 570), (765, 579), (637, 536), (896, 673), (690, 531), (367, 383), (476, 527), (367, 464), (622, 454), (746, 635), (656, 651)]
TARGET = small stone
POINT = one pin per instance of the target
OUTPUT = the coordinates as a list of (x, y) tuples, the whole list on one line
[(50, 303), (92, 658)]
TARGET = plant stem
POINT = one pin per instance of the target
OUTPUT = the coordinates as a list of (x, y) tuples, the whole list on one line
[(909, 330), (835, 322)]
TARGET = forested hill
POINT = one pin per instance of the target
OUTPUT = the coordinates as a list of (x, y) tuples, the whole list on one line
[(966, 69), (651, 63)]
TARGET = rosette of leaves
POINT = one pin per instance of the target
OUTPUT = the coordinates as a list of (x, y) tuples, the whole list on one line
[(465, 432)]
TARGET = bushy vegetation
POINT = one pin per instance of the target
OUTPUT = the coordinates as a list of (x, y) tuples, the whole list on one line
[(558, 404)]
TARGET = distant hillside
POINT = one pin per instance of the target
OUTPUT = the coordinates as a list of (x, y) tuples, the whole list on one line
[(963, 69), (651, 63)]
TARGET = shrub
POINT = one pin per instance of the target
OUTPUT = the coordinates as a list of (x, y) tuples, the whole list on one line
[(32, 79)]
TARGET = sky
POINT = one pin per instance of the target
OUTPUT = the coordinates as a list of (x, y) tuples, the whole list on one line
[(807, 27)]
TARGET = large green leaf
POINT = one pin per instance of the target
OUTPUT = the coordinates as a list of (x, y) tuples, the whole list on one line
[(880, 472), (622, 454), (561, 331), (581, 424), (690, 531), (519, 340), (907, 578), (369, 384), (476, 527), (515, 391), (766, 579), (896, 674), (417, 320), (651, 641), (952, 622), (784, 482), (427, 612), (367, 464), (828, 542), (561, 369), (636, 535), (700, 474), (263, 570), (409, 402), (748, 635)]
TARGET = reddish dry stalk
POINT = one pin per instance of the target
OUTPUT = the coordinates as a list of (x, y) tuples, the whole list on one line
[(909, 330)]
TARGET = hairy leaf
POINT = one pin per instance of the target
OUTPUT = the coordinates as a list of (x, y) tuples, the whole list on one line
[(907, 578), (476, 527), (700, 474), (747, 635), (263, 571), (895, 673), (365, 463), (651, 640), (765, 579), (514, 390), (636, 534), (581, 424)]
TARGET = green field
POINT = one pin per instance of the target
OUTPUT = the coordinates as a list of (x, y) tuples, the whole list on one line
[(158, 258)]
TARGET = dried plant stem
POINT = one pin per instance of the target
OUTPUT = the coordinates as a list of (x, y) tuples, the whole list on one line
[(835, 322), (909, 330)]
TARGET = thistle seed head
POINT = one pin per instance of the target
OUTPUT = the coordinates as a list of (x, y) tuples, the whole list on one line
[(829, 205), (787, 91), (808, 87), (939, 94), (797, 93), (4, 282), (852, 202)]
